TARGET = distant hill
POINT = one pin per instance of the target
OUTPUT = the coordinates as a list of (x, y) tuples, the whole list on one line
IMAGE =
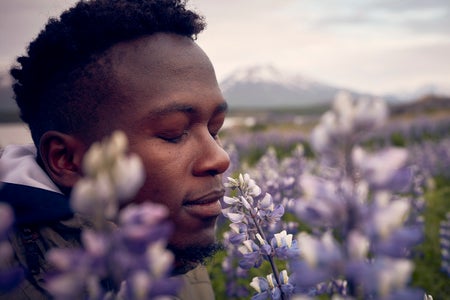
[(8, 108), (6, 97), (426, 104), (268, 87)]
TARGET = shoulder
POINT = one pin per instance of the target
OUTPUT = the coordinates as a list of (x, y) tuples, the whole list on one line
[(196, 285)]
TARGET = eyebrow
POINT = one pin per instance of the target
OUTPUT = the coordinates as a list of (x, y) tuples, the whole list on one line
[(185, 108)]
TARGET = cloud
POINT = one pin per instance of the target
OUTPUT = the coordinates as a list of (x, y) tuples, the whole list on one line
[(21, 21), (373, 45)]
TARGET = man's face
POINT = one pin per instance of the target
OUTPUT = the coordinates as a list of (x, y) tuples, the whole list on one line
[(172, 111)]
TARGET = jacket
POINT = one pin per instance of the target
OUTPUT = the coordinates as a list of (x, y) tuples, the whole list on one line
[(44, 220)]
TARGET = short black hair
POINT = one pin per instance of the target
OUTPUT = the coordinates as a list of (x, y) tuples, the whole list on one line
[(63, 79)]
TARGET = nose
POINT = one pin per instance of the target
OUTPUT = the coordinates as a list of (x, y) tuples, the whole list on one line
[(211, 159)]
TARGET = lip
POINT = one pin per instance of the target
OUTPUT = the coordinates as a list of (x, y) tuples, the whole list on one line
[(206, 206)]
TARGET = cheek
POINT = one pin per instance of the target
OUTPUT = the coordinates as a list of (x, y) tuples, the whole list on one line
[(165, 176)]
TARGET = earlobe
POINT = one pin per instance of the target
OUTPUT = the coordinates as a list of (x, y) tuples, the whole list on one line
[(62, 156)]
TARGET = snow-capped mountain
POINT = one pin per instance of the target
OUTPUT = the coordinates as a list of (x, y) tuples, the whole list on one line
[(266, 86)]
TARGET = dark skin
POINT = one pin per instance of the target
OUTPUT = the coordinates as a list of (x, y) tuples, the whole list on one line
[(171, 110)]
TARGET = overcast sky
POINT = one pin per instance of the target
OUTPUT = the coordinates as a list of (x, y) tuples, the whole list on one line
[(376, 46)]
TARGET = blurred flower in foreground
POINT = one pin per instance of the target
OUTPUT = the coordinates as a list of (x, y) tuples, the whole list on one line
[(111, 176), (127, 259), (10, 276)]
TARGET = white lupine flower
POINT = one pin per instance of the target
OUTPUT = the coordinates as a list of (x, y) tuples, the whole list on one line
[(140, 284), (260, 239), (315, 187), (88, 194), (255, 284), (284, 277), (380, 167), (319, 251), (320, 138), (254, 190), (270, 281), (247, 247), (241, 179), (382, 198), (358, 155), (235, 217), (248, 184), (93, 160), (231, 183), (391, 217), (358, 245), (245, 203), (375, 114), (427, 297), (362, 112), (283, 237), (230, 200), (266, 202), (393, 274), (160, 259), (339, 297), (303, 297), (111, 175), (116, 146), (343, 103), (402, 272), (308, 245), (344, 108), (235, 227), (329, 122), (128, 175)]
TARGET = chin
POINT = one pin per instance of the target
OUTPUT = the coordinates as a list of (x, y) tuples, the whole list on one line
[(189, 256)]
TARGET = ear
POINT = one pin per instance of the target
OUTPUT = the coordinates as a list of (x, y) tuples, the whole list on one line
[(62, 156)]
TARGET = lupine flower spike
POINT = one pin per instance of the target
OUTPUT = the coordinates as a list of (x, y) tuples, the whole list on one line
[(252, 213), (127, 262)]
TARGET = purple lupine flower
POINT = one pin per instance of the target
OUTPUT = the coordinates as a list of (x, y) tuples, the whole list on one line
[(251, 255), (444, 233), (111, 176), (353, 196), (128, 260), (284, 246), (254, 211), (267, 288)]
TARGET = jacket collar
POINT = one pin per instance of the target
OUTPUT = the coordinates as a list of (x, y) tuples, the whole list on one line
[(26, 187), (18, 165)]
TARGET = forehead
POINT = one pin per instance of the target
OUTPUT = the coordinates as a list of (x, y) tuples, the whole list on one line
[(159, 56), (162, 70)]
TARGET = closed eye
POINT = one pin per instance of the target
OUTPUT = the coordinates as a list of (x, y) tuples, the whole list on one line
[(174, 138)]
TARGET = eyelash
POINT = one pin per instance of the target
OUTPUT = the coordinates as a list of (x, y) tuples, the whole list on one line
[(175, 140)]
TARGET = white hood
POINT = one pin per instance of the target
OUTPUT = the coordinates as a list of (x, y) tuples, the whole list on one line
[(18, 165)]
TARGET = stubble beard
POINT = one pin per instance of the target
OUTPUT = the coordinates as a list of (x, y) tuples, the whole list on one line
[(187, 258)]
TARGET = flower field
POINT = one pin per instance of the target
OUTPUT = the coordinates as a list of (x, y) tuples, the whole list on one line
[(351, 204), (349, 201)]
